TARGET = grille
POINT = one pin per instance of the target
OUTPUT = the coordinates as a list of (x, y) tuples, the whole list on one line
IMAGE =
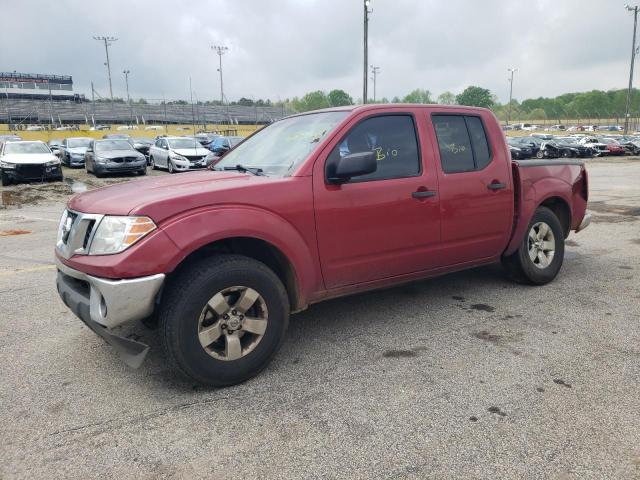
[(75, 235), (194, 158), (30, 171)]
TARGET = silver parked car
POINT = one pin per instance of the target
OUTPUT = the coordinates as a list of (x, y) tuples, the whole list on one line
[(178, 154)]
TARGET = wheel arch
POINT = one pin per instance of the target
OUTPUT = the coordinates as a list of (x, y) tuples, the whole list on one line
[(257, 249), (560, 208)]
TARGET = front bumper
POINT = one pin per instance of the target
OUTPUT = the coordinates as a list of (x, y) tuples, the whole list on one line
[(33, 172), (103, 304)]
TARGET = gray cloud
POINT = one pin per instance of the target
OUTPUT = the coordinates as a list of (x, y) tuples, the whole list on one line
[(285, 48)]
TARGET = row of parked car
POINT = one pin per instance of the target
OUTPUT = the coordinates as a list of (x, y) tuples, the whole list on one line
[(530, 127), (114, 153), (572, 146)]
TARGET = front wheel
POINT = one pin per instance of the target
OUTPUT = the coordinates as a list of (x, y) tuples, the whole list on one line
[(539, 154), (170, 166), (152, 163), (223, 319), (541, 253), (6, 181)]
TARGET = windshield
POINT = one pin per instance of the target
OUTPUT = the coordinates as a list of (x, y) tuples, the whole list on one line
[(183, 143), (78, 142), (26, 147), (279, 148), (105, 145), (146, 141)]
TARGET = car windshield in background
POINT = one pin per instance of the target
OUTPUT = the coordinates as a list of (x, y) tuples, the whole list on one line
[(26, 147), (279, 148), (78, 142), (105, 145), (233, 141), (183, 143)]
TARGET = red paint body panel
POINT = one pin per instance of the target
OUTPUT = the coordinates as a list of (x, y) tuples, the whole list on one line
[(345, 238)]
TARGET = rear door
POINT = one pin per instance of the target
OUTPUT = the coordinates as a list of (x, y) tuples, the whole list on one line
[(476, 194), (383, 224)]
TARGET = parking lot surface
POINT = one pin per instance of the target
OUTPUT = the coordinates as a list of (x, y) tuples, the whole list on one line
[(464, 376)]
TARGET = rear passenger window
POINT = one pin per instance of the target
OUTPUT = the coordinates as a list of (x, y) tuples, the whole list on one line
[(392, 138), (462, 142)]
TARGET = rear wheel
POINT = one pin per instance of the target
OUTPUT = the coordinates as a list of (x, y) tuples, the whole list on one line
[(539, 154), (223, 319), (539, 257)]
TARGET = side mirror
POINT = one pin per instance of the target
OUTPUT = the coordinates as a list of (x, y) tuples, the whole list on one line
[(352, 165)]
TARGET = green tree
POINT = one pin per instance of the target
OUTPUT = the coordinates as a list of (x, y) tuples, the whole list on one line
[(447, 98), (476, 97), (418, 96), (339, 98)]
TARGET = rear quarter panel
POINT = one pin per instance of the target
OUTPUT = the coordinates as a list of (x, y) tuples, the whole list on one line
[(540, 181)]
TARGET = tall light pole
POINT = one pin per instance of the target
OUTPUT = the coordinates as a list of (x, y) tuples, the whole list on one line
[(633, 9), (220, 50), (374, 75), (365, 76), (512, 71), (107, 43), (126, 81)]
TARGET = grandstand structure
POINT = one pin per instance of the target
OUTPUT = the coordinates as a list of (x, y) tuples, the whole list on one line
[(36, 86), (27, 111)]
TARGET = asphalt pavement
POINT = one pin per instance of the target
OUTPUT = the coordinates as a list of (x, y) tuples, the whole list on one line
[(463, 376)]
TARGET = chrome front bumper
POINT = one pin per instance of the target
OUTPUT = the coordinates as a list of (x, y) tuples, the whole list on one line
[(104, 304), (586, 221)]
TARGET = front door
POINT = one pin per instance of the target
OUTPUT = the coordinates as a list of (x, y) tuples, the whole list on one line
[(382, 224)]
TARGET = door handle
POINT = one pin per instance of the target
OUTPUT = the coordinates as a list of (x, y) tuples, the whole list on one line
[(496, 186), (423, 194)]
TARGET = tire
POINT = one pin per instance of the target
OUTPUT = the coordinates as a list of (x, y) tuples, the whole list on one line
[(6, 181), (566, 154), (143, 171), (539, 154), (181, 313), (152, 163), (521, 267), (170, 166)]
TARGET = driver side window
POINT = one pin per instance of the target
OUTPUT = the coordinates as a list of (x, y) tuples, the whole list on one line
[(392, 139)]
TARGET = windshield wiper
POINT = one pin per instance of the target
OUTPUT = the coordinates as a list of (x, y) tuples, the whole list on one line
[(254, 170)]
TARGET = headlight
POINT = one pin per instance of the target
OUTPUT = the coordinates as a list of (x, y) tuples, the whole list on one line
[(177, 156), (7, 165), (115, 234), (100, 159), (52, 163)]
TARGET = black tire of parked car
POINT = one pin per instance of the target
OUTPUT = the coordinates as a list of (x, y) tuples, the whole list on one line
[(519, 265), (170, 166), (152, 163), (185, 297), (142, 171), (5, 179), (539, 154)]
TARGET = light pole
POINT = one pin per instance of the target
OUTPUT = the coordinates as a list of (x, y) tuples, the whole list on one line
[(126, 81), (375, 71), (633, 9), (365, 76), (512, 71), (107, 43), (220, 50)]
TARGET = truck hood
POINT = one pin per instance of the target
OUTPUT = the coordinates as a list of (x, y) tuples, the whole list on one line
[(163, 197), (30, 158)]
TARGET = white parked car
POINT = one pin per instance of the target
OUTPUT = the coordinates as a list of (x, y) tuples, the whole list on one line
[(525, 126), (23, 161), (178, 154), (599, 147)]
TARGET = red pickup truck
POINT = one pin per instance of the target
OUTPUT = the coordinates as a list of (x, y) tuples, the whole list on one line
[(312, 207)]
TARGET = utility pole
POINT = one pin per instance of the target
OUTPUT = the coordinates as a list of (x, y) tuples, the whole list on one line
[(512, 71), (193, 115), (126, 81), (107, 43), (220, 50), (633, 9), (365, 76), (374, 74)]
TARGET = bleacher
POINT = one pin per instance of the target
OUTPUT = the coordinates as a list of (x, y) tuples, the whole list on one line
[(69, 112)]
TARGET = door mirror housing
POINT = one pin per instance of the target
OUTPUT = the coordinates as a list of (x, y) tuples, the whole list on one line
[(352, 165)]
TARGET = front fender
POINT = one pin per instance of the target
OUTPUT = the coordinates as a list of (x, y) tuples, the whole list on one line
[(205, 226)]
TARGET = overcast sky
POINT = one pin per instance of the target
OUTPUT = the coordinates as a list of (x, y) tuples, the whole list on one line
[(285, 48)]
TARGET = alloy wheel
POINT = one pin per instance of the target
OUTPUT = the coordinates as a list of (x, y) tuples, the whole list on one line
[(541, 245)]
